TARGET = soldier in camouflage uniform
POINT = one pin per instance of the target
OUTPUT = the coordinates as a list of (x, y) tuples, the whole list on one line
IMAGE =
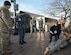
[(5, 28), (65, 27), (33, 25), (41, 25)]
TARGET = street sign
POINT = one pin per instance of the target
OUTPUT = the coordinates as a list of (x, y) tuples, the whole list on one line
[(16, 7), (13, 1)]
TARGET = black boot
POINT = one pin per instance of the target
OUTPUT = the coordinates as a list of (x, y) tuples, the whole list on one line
[(24, 41), (20, 42)]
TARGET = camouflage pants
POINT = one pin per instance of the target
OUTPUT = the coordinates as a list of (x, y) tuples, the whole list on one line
[(4, 40), (31, 29)]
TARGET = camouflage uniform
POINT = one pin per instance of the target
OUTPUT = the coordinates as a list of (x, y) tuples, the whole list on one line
[(4, 31), (33, 25), (65, 27), (41, 25)]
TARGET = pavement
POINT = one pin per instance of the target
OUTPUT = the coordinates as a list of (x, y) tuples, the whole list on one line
[(36, 44)]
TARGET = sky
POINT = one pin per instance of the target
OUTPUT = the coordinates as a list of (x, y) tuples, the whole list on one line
[(33, 6)]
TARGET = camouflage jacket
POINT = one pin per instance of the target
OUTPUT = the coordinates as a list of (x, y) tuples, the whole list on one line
[(5, 15)]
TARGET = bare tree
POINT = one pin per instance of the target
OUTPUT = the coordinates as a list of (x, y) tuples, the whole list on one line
[(58, 7)]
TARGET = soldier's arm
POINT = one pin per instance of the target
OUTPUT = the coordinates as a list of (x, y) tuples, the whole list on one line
[(5, 19)]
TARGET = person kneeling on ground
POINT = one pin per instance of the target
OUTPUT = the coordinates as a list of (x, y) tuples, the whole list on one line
[(55, 31)]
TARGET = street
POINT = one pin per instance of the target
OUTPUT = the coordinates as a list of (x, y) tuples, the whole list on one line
[(35, 45)]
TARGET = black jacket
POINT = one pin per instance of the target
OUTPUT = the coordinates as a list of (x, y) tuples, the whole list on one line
[(56, 28)]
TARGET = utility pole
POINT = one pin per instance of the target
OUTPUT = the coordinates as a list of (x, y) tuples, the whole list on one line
[(15, 9)]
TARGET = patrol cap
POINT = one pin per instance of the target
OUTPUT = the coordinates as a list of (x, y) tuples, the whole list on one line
[(7, 3), (21, 12)]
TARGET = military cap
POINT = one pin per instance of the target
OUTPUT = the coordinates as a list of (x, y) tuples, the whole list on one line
[(21, 12), (7, 3)]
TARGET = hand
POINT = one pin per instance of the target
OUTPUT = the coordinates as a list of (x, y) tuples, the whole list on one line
[(9, 27), (16, 27)]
